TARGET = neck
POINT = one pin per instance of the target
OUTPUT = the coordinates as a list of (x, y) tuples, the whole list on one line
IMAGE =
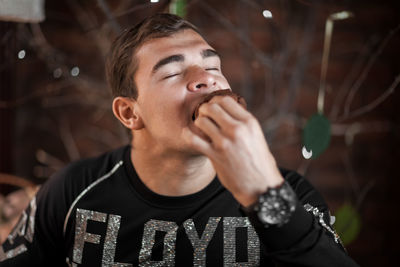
[(171, 173)]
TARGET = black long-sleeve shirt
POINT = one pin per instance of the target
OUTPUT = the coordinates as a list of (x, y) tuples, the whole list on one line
[(97, 212)]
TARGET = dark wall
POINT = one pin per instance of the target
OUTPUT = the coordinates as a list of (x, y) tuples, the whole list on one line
[(8, 33)]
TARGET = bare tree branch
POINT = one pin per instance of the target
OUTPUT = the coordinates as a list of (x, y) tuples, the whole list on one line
[(49, 160), (350, 174), (49, 89), (361, 196), (114, 24), (299, 68), (373, 104), (87, 23), (366, 70), (304, 166), (68, 140), (261, 56), (349, 79)]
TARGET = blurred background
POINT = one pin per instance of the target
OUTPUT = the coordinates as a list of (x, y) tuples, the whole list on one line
[(322, 77)]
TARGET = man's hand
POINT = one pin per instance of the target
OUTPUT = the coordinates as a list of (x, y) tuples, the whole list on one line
[(237, 148)]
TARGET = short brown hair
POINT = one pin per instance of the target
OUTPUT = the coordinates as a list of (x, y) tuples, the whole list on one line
[(121, 63)]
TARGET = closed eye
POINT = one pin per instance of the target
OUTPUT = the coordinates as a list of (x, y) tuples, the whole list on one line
[(170, 75), (217, 69)]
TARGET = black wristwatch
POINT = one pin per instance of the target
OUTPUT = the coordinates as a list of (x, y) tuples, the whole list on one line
[(275, 206)]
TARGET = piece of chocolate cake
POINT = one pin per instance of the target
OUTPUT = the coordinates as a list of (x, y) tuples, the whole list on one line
[(225, 92)]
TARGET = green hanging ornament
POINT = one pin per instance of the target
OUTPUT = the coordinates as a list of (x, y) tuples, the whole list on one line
[(178, 7), (316, 136), (348, 223)]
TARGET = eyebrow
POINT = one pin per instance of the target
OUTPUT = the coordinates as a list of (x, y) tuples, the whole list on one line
[(168, 60), (209, 53), (180, 58)]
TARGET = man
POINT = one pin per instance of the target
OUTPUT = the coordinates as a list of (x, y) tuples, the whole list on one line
[(202, 192)]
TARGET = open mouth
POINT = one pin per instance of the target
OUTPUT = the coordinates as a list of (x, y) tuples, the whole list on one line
[(224, 92)]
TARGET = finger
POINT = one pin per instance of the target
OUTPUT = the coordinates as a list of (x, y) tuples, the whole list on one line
[(197, 142), (218, 115), (209, 128), (233, 108)]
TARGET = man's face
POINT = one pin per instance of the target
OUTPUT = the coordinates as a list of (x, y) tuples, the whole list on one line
[(174, 73)]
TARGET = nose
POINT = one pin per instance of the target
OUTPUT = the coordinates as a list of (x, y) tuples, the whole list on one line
[(200, 79)]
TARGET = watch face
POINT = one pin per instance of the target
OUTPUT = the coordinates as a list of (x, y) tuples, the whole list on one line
[(276, 205), (273, 210)]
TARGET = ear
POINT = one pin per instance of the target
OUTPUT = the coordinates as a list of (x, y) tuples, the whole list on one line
[(127, 112)]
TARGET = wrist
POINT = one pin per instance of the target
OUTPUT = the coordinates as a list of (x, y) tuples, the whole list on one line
[(248, 194)]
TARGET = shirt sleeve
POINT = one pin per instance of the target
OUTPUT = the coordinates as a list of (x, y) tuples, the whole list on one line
[(35, 240), (308, 239)]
